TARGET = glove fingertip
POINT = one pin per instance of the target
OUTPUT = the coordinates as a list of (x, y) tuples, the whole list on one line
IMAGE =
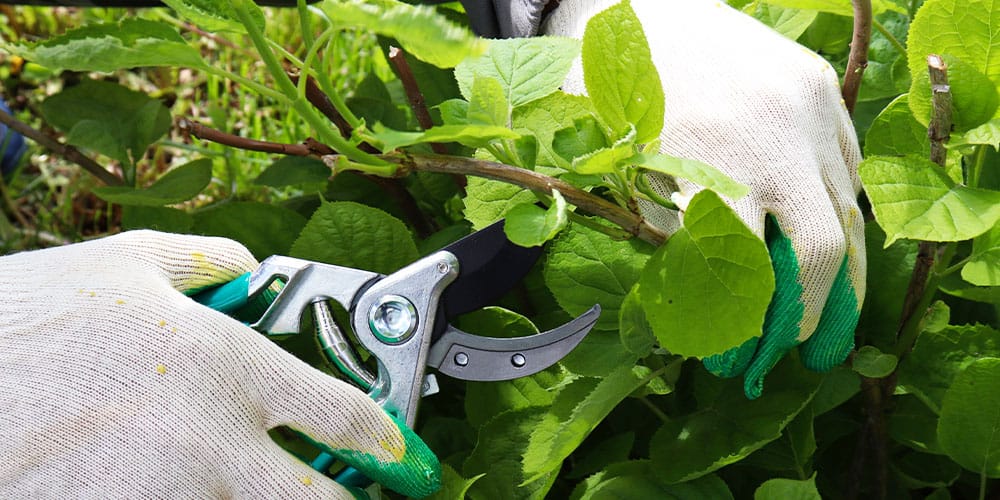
[(417, 473), (833, 339), (733, 362)]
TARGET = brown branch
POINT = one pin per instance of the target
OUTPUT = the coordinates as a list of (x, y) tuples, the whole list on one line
[(64, 150), (634, 224), (857, 61), (416, 98)]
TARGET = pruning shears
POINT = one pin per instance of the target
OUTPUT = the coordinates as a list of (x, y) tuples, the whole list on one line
[(403, 320)]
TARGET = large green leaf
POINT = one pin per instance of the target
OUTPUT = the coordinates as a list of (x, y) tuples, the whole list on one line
[(170, 220), (914, 424), (787, 489), (577, 410), (983, 268), (937, 356), (585, 266), (353, 235), (793, 451), (892, 269), (452, 484), (789, 22), (640, 480), (213, 15), (969, 429), (108, 118), (987, 133), (708, 288), (527, 68), (726, 427), (487, 201), (961, 29), (266, 230), (896, 132), (177, 185), (914, 198), (619, 73), (419, 29), (634, 330), (529, 225), (606, 160), (544, 117), (106, 47), (487, 103), (498, 455), (886, 75), (695, 171), (293, 171)]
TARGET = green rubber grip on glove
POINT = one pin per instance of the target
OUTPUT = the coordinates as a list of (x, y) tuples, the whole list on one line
[(826, 348)]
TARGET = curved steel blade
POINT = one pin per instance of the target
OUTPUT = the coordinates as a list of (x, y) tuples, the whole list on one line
[(489, 266), (471, 357)]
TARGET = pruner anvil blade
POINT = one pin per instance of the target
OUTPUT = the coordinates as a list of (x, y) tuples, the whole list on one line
[(471, 357)]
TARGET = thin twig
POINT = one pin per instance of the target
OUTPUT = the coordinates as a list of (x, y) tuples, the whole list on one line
[(64, 150), (857, 61), (416, 98)]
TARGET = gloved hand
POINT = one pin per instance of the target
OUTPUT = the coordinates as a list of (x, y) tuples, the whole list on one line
[(768, 113), (114, 384)]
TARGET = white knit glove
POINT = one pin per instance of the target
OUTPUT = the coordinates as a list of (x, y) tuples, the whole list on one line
[(768, 113), (114, 384)]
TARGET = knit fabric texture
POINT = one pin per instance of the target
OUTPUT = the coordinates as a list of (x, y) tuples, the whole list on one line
[(114, 384)]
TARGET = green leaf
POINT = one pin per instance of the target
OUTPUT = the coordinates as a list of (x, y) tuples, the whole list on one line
[(579, 139), (636, 334), (618, 71), (166, 219), (895, 132), (108, 118), (788, 489), (914, 424), (639, 480), (914, 198), (615, 449), (792, 451), (353, 235), (892, 269), (987, 134), (922, 470), (886, 75), (973, 96), (293, 171), (585, 266), (606, 160), (983, 268), (545, 117), (577, 410), (789, 22), (177, 185), (969, 429), (106, 47), (452, 484), (213, 15), (960, 30), (838, 386), (487, 201), (529, 225), (487, 103), (726, 427), (953, 284), (527, 68), (498, 455), (708, 288), (271, 233), (419, 29), (873, 363), (695, 171), (930, 368), (598, 354), (474, 136), (839, 7)]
